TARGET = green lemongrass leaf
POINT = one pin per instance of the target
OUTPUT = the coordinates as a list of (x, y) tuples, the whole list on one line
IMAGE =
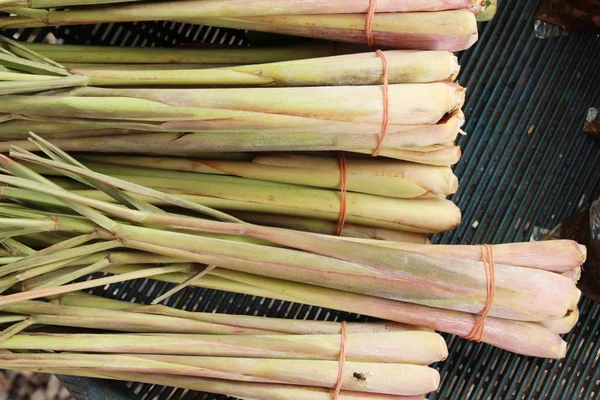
[(17, 328), (127, 186), (53, 291), (9, 260), (32, 67), (26, 173), (16, 87), (26, 52), (17, 76), (96, 267), (7, 318), (17, 248), (183, 284), (37, 260), (60, 156), (11, 233)]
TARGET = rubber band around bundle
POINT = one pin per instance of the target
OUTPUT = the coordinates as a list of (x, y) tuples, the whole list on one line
[(338, 385), (487, 257), (386, 104), (369, 25), (343, 191)]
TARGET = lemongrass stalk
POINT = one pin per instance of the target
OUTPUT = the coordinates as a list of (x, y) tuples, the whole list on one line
[(173, 144), (562, 325), (249, 390), (348, 109), (397, 379), (89, 311), (352, 69), (444, 30), (65, 53), (115, 320), (195, 144), (259, 324), (229, 8), (329, 227), (520, 337), (380, 177), (384, 269), (410, 347), (440, 30)]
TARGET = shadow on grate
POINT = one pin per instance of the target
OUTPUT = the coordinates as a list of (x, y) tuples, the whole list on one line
[(526, 165)]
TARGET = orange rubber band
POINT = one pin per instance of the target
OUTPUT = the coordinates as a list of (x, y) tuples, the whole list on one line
[(338, 385), (343, 202), (487, 256), (386, 104), (369, 26)]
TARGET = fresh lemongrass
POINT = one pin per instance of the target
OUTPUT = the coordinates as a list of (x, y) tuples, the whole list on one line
[(352, 109), (381, 177), (353, 69), (386, 378), (230, 8), (451, 30), (241, 323), (339, 259), (443, 30), (520, 337), (205, 145), (426, 215), (410, 347), (379, 266), (249, 390)]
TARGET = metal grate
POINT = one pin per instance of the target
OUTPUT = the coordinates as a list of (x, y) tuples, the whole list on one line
[(526, 165)]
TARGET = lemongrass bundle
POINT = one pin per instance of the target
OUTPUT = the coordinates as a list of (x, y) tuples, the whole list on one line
[(353, 109), (380, 177), (424, 106), (353, 69), (375, 270), (249, 390), (222, 144), (395, 23), (350, 69), (429, 215)]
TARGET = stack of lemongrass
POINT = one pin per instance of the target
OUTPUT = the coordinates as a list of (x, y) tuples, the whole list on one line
[(384, 195), (439, 287), (434, 24), (248, 357), (328, 103)]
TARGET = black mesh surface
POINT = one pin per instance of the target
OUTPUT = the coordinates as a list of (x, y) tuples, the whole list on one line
[(526, 165)]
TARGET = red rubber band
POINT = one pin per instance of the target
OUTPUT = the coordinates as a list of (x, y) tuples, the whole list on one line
[(338, 385), (487, 256), (343, 190), (369, 27), (386, 104)]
